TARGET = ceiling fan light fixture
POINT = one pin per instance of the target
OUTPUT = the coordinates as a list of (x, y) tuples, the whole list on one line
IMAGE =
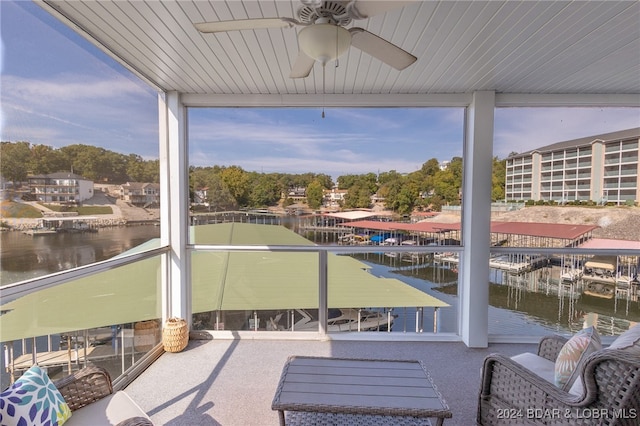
[(324, 42)]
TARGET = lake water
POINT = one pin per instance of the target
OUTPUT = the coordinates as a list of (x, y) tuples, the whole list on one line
[(520, 304), (24, 257)]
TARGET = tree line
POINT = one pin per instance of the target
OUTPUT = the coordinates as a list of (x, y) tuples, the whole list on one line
[(232, 187), (21, 159)]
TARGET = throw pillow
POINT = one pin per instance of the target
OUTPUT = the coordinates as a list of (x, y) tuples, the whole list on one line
[(629, 341), (33, 400), (572, 356)]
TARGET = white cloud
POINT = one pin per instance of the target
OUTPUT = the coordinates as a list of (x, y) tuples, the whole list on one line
[(523, 129), (115, 113)]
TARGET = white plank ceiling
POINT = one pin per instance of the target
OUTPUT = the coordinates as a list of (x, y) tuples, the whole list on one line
[(545, 47)]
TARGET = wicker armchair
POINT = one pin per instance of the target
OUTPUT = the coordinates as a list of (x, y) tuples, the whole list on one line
[(512, 394), (89, 385)]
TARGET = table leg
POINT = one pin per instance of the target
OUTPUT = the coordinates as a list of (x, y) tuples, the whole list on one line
[(281, 416)]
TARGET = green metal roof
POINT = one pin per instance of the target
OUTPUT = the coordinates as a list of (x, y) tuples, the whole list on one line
[(264, 280), (126, 294), (221, 281)]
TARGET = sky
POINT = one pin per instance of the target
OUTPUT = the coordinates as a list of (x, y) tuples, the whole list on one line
[(57, 89)]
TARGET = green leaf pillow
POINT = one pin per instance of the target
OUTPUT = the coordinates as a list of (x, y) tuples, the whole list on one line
[(33, 400), (572, 356)]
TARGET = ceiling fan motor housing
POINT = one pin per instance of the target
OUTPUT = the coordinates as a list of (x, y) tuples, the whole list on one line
[(332, 10)]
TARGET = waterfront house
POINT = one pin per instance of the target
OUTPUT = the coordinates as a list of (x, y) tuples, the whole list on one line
[(201, 196), (478, 57), (60, 188), (140, 194), (334, 197)]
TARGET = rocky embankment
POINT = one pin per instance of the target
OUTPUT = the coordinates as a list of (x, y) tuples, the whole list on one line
[(122, 213), (620, 223)]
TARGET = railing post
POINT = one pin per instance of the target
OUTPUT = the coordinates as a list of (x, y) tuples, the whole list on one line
[(322, 291)]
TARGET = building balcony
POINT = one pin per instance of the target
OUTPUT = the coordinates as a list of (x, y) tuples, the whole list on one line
[(233, 382)]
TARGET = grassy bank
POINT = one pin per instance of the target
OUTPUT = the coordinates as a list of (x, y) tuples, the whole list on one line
[(11, 209), (81, 210)]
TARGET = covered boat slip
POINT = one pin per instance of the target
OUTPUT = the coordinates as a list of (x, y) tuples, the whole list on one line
[(279, 280), (260, 280)]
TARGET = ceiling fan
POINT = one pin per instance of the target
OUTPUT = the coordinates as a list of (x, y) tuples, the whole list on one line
[(324, 37)]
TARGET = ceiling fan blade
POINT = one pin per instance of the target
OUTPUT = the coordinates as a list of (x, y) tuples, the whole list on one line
[(302, 67), (245, 24), (367, 8), (380, 48)]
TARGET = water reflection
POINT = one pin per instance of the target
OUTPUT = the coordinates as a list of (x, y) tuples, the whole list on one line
[(539, 293), (23, 256)]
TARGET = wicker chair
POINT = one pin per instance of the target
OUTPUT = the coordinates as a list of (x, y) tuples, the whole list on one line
[(89, 385), (512, 394)]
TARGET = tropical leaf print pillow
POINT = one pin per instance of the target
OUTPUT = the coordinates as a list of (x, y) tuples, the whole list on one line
[(573, 354), (33, 400)]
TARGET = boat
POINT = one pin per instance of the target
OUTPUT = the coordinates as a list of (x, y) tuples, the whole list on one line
[(41, 231), (347, 319), (570, 276), (599, 276)]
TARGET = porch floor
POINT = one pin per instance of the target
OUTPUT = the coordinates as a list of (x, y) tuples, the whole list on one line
[(232, 382)]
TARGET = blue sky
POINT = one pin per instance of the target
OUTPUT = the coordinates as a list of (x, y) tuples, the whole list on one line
[(57, 89)]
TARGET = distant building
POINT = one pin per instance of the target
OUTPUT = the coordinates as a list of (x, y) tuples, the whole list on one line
[(201, 196), (60, 188), (333, 197), (140, 194), (297, 193), (602, 168)]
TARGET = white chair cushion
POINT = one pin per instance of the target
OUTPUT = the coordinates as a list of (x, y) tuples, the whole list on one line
[(629, 341), (537, 364), (107, 411)]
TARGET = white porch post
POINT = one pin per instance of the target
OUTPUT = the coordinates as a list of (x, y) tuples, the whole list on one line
[(174, 202), (476, 220)]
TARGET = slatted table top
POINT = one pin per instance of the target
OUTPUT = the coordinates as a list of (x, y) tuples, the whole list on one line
[(358, 386)]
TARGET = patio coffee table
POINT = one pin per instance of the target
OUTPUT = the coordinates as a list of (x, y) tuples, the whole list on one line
[(357, 391)]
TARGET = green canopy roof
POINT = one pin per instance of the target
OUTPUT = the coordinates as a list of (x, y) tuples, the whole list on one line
[(221, 281), (126, 294), (264, 280)]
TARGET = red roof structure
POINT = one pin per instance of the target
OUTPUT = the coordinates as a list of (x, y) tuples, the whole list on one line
[(401, 226), (547, 230), (556, 231)]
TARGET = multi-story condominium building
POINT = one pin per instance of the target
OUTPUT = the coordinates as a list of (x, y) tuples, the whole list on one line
[(61, 187), (602, 168)]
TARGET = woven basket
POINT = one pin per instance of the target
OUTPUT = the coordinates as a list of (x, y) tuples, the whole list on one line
[(175, 335), (146, 334)]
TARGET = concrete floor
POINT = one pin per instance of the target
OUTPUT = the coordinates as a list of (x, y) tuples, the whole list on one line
[(232, 382)]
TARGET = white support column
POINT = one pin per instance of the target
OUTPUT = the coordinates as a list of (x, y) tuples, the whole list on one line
[(174, 203), (476, 220)]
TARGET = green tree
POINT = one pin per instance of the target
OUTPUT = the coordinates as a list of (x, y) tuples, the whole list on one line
[(14, 161), (498, 178), (45, 160), (390, 191), (265, 190), (218, 194), (237, 182), (407, 197), (386, 177), (359, 196), (315, 194), (431, 167)]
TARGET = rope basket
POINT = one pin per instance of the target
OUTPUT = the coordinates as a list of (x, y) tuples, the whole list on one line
[(146, 334), (175, 335)]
